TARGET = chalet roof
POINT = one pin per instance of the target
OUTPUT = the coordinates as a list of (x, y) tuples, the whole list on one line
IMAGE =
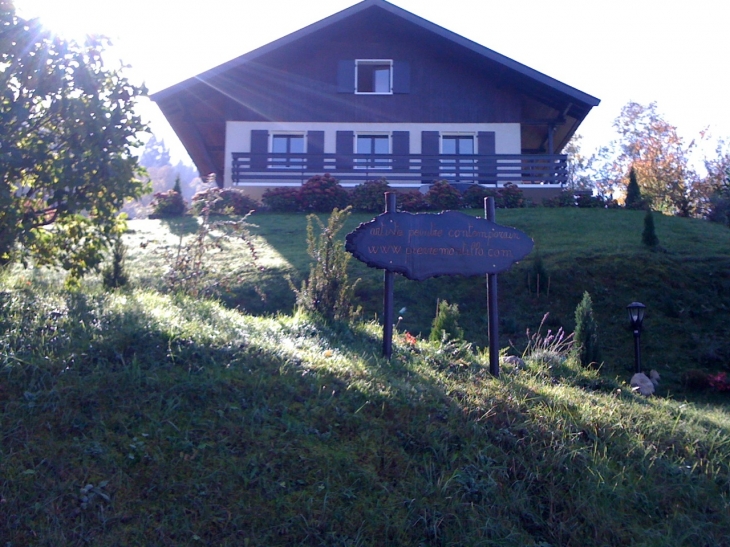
[(489, 54)]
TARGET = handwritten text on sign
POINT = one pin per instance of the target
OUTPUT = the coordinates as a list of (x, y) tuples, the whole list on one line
[(420, 246)]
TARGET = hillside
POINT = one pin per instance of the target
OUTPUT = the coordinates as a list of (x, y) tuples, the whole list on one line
[(138, 419)]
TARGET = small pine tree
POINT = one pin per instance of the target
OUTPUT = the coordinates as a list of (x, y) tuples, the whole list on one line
[(445, 325), (634, 199), (586, 332), (115, 274), (648, 236), (177, 188)]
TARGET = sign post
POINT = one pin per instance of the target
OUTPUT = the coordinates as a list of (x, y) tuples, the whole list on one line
[(419, 246)]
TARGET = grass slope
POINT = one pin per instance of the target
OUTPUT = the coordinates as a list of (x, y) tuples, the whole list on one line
[(141, 419)]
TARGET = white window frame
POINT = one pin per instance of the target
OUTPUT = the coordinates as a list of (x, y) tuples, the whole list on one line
[(361, 163), (388, 62), (287, 163)]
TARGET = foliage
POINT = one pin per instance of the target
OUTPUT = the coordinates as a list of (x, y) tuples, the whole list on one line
[(550, 348), (442, 196), (633, 193), (68, 131), (511, 197), (370, 196), (282, 199), (586, 332), (223, 201), (115, 274), (445, 326), (648, 236), (412, 201), (191, 268), (566, 198), (167, 204), (474, 196), (580, 166), (322, 194), (328, 291)]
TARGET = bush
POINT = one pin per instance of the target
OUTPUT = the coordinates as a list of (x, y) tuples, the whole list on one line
[(369, 196), (586, 332), (648, 236), (327, 291), (719, 209), (510, 197), (445, 326), (223, 201), (566, 198), (167, 204), (473, 197), (589, 201), (442, 196), (323, 194), (412, 202), (282, 200)]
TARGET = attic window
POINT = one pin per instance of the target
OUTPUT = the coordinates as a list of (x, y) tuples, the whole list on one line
[(374, 76)]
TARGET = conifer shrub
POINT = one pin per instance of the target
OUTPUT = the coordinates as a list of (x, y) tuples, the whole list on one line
[(322, 194), (473, 197), (412, 202), (445, 326), (282, 199), (328, 291), (634, 200), (115, 275), (222, 201), (648, 236), (442, 196), (370, 196), (585, 338)]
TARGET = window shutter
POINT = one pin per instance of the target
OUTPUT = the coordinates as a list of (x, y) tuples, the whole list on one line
[(401, 150), (346, 77), (344, 141), (315, 151), (401, 77), (259, 149), (487, 168), (429, 147)]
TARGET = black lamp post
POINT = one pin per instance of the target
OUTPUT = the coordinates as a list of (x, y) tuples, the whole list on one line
[(636, 317)]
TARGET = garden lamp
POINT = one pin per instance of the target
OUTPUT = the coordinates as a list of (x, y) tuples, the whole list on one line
[(636, 318)]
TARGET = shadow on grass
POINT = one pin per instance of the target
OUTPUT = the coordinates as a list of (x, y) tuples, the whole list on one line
[(181, 226)]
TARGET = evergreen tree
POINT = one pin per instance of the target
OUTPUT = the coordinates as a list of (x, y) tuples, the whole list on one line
[(649, 237), (633, 192), (586, 332), (445, 325)]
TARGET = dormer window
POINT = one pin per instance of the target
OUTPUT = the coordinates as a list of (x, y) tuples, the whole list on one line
[(374, 76)]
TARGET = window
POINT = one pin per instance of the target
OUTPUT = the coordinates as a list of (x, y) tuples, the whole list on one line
[(455, 168), (286, 145), (376, 146), (374, 76)]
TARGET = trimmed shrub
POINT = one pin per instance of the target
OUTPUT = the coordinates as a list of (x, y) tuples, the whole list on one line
[(511, 197), (167, 204), (445, 326), (115, 275), (222, 201), (442, 196), (412, 202), (586, 332), (648, 236), (282, 200), (322, 194), (589, 201), (369, 196), (473, 197), (634, 200), (566, 198)]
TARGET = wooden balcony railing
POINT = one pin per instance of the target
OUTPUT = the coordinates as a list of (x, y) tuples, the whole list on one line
[(495, 170)]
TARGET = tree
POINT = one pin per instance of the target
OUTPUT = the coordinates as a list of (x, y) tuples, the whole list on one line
[(67, 132), (633, 192), (586, 332), (648, 236)]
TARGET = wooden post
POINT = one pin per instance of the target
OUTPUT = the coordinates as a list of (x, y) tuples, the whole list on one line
[(493, 312), (389, 279)]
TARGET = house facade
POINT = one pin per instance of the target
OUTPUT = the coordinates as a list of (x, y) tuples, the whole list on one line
[(372, 92)]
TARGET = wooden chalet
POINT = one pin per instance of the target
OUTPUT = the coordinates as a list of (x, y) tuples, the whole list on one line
[(372, 92)]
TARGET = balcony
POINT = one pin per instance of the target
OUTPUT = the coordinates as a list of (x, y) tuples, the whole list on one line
[(412, 170)]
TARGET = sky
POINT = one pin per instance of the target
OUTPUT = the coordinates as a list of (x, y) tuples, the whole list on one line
[(672, 52)]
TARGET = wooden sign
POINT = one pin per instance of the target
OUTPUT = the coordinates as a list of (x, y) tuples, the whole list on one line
[(425, 245)]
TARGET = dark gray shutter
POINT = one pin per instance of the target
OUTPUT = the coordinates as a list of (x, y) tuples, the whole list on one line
[(259, 149), (430, 147), (344, 141), (346, 77), (315, 151), (401, 150), (487, 168), (401, 77)]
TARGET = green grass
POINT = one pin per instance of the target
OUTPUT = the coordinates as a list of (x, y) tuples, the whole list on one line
[(145, 418)]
